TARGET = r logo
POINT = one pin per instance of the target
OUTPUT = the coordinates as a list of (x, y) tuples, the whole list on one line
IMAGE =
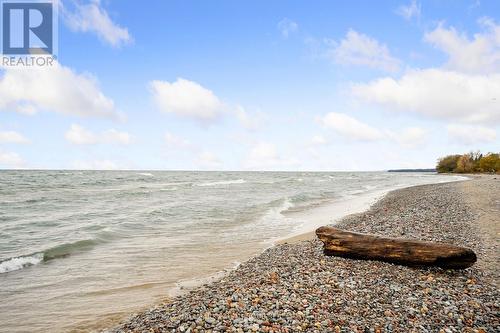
[(27, 27)]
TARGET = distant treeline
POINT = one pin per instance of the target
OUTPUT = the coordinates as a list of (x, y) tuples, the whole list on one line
[(412, 170), (469, 163)]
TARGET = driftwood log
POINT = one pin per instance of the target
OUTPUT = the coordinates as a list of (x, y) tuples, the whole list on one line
[(398, 251)]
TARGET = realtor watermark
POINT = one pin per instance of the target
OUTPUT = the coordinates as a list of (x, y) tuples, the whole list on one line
[(29, 32)]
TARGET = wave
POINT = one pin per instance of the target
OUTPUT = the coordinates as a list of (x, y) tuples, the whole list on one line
[(457, 178), (275, 213), (69, 173), (59, 251), (35, 200), (14, 264), (147, 174), (305, 201), (169, 189), (348, 194), (67, 249), (224, 182)]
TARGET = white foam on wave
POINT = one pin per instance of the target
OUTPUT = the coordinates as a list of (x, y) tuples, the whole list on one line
[(18, 263), (285, 206), (146, 174), (168, 189), (271, 219), (224, 182), (274, 216)]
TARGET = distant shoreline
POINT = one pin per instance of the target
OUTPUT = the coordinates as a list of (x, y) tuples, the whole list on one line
[(412, 170)]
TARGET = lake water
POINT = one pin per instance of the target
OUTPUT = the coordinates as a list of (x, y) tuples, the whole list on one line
[(82, 249)]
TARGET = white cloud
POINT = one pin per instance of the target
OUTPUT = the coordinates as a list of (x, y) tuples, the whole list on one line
[(80, 136), (413, 9), (53, 88), (411, 137), (189, 99), (437, 93), (12, 137), (91, 17), (350, 127), (186, 99), (113, 136), (208, 160), (264, 156), (287, 27), (97, 165), (481, 54), (355, 130), (251, 122), (263, 151), (10, 160), (361, 50), (470, 135)]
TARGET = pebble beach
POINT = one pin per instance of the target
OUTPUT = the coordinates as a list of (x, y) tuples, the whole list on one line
[(294, 287)]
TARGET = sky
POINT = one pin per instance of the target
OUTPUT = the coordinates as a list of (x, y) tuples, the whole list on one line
[(257, 85)]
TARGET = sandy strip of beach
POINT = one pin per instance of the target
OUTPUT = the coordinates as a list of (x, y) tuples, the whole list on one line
[(293, 287)]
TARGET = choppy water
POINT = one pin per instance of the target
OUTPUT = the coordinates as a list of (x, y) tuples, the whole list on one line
[(81, 249)]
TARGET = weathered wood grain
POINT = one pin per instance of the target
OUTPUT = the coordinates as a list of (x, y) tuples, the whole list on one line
[(399, 251)]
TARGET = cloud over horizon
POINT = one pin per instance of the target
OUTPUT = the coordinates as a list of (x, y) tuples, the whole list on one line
[(10, 159), (354, 130), (78, 135), (350, 127), (470, 135), (186, 99), (53, 88), (436, 93), (103, 164), (265, 156)]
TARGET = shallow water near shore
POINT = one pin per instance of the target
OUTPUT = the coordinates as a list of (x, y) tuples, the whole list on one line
[(81, 249)]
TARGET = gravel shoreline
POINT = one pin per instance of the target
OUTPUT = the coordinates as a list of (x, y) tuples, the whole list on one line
[(295, 288)]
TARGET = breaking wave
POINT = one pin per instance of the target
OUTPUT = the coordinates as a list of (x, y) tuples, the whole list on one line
[(225, 182), (60, 251), (14, 264)]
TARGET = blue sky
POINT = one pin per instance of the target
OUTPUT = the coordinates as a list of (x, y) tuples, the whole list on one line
[(257, 85)]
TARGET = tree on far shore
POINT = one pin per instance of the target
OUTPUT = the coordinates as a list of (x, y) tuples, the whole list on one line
[(464, 164), (447, 163), (469, 163), (490, 163)]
